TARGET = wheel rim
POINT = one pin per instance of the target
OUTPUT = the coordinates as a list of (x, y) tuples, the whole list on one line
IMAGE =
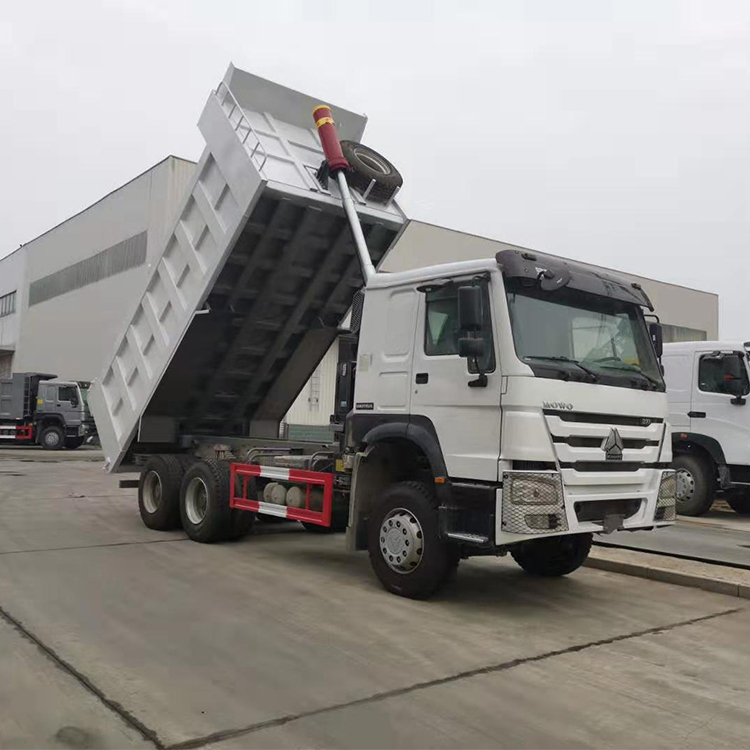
[(401, 541), (152, 492), (52, 439), (685, 486), (370, 160), (196, 500)]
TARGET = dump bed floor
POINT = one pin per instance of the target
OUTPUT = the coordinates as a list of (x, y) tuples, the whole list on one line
[(251, 286)]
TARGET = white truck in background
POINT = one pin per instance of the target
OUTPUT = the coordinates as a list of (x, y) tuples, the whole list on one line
[(507, 405), (707, 386)]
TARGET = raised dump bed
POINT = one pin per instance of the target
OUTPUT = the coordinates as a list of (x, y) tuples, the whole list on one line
[(253, 281)]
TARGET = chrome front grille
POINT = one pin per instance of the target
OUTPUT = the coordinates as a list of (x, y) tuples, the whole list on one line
[(584, 440)]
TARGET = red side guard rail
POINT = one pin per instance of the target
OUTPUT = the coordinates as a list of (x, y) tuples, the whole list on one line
[(245, 472)]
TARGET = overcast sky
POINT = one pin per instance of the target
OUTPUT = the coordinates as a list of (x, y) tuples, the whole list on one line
[(612, 132)]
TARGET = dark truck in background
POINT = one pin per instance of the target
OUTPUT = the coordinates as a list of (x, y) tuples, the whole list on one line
[(42, 409)]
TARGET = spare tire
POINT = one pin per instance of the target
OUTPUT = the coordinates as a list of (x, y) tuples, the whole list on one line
[(368, 166)]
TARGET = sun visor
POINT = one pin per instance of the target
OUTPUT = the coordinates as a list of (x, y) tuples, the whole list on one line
[(555, 273)]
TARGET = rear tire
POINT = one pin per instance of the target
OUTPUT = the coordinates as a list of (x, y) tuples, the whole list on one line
[(406, 551), (553, 556), (159, 492), (696, 484), (739, 501), (204, 504), (52, 438)]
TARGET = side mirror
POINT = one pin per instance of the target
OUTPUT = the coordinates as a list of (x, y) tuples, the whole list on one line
[(472, 348), (469, 308), (657, 337)]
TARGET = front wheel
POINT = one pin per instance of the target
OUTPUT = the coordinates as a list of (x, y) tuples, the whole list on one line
[(695, 484), (52, 439), (553, 556), (406, 551), (739, 501)]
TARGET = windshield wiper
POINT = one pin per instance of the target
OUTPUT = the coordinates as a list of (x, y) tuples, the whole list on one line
[(632, 368), (575, 362)]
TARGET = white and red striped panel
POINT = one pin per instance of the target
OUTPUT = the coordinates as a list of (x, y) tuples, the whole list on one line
[(17, 432), (290, 476)]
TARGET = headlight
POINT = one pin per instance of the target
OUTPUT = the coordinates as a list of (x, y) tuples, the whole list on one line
[(532, 502)]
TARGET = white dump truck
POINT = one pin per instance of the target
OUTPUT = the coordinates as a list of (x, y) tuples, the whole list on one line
[(507, 405)]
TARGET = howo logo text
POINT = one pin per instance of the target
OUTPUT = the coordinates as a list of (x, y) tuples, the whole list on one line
[(559, 405)]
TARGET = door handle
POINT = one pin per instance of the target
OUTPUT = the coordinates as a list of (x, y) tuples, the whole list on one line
[(422, 377), (697, 414)]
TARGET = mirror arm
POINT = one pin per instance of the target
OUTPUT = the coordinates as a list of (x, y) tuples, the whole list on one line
[(481, 380)]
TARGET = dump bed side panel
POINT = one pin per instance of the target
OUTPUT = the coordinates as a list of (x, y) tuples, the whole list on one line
[(253, 280)]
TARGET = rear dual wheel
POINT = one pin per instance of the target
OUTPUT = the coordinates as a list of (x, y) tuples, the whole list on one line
[(179, 490), (204, 504)]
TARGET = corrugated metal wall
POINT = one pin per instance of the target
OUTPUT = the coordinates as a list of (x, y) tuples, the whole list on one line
[(314, 405)]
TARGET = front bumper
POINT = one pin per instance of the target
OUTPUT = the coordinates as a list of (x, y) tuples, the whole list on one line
[(531, 504)]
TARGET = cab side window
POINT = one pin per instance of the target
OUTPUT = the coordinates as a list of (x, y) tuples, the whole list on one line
[(66, 393), (441, 332), (714, 371)]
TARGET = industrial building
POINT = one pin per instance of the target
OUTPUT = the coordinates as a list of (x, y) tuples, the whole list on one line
[(65, 296)]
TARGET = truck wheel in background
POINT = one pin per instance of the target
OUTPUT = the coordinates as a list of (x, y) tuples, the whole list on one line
[(52, 438), (553, 556), (204, 504), (159, 492), (739, 501), (406, 551), (696, 484), (72, 443)]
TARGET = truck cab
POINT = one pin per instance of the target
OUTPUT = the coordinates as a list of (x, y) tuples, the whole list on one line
[(543, 414), (707, 386), (62, 418)]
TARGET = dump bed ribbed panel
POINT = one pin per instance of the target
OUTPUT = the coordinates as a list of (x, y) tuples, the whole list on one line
[(253, 280)]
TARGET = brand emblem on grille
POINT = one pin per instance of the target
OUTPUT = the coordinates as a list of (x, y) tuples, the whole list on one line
[(558, 405), (612, 446)]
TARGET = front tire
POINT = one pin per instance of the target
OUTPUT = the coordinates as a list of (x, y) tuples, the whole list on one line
[(739, 501), (553, 556), (406, 551), (72, 443), (52, 439), (696, 484)]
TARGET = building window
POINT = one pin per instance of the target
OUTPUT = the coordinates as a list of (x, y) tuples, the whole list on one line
[(7, 304), (675, 334)]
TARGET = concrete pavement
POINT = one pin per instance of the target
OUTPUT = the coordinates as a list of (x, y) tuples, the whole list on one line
[(284, 640)]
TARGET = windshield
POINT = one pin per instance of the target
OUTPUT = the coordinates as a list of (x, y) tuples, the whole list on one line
[(581, 336)]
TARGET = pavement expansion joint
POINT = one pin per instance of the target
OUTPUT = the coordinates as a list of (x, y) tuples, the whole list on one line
[(490, 669), (92, 546), (85, 682)]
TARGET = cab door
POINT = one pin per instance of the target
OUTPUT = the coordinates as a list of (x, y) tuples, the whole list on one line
[(466, 418), (715, 411)]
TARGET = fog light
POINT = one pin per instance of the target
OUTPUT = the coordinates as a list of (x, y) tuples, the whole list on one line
[(543, 521)]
